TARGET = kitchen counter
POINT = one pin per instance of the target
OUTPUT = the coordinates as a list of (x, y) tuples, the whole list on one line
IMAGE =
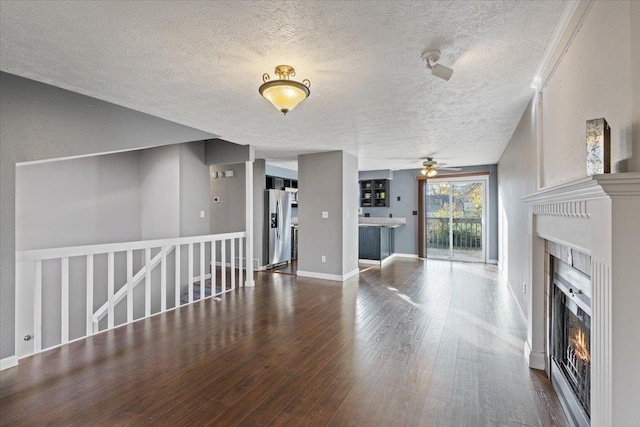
[(381, 222), (377, 237)]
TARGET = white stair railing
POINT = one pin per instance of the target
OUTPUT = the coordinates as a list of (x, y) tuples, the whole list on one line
[(131, 284), (31, 283)]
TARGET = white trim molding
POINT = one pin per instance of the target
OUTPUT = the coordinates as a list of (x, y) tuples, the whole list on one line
[(8, 362), (325, 276), (401, 255), (535, 359), (573, 16), (597, 215)]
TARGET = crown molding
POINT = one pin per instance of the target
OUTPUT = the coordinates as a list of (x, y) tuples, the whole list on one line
[(572, 18), (624, 185)]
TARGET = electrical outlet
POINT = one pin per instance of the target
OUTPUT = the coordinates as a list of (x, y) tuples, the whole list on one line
[(324, 258), (524, 287), (201, 214)]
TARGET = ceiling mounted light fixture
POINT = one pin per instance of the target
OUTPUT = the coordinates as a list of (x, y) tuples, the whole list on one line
[(430, 167), (431, 58), (429, 172), (284, 93)]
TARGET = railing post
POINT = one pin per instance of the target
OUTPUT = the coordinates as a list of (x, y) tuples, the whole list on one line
[(64, 300), (223, 261), (240, 243), (214, 268), (232, 242), (248, 167), (37, 306), (177, 284), (163, 279), (190, 269), (202, 281), (110, 288), (147, 282), (130, 286), (89, 325)]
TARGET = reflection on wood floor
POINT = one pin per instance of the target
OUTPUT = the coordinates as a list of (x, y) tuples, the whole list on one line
[(416, 343)]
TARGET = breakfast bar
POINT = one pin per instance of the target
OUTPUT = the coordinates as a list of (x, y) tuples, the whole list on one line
[(376, 238)]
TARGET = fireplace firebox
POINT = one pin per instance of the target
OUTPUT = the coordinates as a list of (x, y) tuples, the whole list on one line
[(570, 341)]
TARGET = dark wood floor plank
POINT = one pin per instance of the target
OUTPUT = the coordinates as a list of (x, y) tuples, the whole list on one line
[(412, 343)]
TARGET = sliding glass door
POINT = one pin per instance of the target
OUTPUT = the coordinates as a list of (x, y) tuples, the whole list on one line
[(455, 218)]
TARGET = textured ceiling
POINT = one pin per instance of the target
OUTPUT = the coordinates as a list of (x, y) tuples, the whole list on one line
[(200, 64)]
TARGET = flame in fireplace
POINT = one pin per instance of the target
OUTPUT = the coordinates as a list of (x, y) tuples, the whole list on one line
[(579, 342)]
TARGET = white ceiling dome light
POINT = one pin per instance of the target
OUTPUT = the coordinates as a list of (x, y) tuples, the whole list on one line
[(431, 58)]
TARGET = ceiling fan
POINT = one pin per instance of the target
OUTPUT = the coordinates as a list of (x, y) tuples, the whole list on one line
[(431, 167)]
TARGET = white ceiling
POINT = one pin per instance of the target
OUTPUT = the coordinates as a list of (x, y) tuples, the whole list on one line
[(200, 64)]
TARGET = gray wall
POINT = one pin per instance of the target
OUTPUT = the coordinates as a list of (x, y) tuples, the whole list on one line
[(322, 181), (577, 91), (260, 238), (635, 98), (350, 200), (228, 215), (38, 122), (83, 201), (405, 185), (219, 151), (194, 190), (281, 172), (517, 176), (89, 200), (160, 192)]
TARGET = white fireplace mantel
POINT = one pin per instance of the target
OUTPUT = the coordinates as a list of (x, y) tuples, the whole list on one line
[(598, 215)]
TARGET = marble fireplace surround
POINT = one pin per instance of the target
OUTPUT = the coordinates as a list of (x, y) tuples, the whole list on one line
[(599, 216)]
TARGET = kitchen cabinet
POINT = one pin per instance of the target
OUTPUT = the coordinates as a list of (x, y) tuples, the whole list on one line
[(376, 243), (374, 193), (279, 183), (287, 184)]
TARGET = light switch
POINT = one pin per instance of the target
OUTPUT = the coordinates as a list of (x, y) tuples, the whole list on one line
[(325, 214), (201, 214)]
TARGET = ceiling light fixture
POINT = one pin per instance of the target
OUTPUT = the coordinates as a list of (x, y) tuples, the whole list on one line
[(431, 58), (429, 172), (284, 93)]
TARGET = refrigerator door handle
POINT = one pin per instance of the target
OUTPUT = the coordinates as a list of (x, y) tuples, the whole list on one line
[(280, 222), (278, 219)]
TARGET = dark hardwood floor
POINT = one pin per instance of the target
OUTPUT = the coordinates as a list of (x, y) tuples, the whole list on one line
[(416, 343)]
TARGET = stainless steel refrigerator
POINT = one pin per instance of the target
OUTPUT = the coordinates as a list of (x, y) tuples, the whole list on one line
[(278, 203)]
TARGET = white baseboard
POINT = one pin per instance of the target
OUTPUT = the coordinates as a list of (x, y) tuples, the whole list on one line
[(400, 255), (492, 261), (325, 276), (351, 274), (535, 359), (8, 362), (387, 259)]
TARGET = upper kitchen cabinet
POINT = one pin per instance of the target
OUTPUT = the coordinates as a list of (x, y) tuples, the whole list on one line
[(278, 183), (287, 184), (374, 193)]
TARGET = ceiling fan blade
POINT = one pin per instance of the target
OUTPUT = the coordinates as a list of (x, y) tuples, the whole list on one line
[(448, 169)]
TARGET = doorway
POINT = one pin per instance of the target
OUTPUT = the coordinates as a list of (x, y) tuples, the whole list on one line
[(455, 218)]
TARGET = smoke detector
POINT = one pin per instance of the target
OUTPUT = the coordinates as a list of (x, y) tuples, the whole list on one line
[(431, 58)]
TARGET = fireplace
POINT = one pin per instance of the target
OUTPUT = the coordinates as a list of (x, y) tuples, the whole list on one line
[(570, 340), (596, 216)]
